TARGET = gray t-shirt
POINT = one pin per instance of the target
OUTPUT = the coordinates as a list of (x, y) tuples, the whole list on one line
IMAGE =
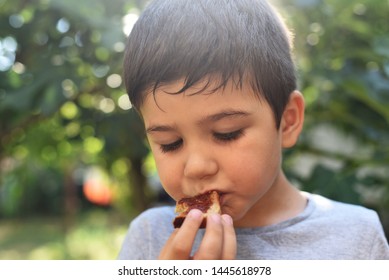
[(324, 230)]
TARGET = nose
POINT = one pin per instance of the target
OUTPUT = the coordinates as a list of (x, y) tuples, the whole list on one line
[(200, 164)]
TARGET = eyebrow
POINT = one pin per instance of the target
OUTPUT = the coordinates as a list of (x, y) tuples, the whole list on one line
[(207, 119), (224, 114), (159, 128)]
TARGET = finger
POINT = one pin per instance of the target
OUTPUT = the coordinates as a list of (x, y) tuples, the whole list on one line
[(163, 255), (180, 243), (212, 244), (229, 238)]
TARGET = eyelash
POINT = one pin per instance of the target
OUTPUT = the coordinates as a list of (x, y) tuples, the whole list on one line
[(229, 136), (222, 137), (171, 147)]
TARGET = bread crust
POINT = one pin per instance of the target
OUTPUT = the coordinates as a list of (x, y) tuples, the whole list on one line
[(208, 203)]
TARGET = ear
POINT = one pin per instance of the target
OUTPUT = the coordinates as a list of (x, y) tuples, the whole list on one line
[(292, 119)]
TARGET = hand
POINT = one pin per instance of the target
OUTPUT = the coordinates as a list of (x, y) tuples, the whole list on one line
[(219, 242)]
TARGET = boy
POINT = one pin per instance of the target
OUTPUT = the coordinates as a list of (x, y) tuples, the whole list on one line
[(215, 85)]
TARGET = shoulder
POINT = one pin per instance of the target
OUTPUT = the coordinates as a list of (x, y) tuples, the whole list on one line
[(148, 233), (164, 212), (154, 218), (344, 218), (355, 228), (347, 213)]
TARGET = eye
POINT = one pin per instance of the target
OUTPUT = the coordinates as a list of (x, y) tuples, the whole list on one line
[(229, 136), (165, 148)]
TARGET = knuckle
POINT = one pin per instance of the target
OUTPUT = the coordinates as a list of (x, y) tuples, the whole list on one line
[(180, 248), (206, 255)]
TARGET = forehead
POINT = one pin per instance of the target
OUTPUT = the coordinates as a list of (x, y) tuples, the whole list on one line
[(206, 90), (197, 102)]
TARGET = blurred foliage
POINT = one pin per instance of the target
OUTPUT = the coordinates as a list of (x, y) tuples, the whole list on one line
[(342, 54), (63, 109), (95, 235), (62, 105)]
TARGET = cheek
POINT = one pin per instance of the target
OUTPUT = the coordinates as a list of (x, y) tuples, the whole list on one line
[(170, 177), (256, 165)]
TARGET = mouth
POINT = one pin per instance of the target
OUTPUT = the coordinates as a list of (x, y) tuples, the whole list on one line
[(222, 199)]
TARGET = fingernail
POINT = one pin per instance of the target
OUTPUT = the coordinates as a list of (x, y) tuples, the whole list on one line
[(195, 214), (227, 219), (216, 218)]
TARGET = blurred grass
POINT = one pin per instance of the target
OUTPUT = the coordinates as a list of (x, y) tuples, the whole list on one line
[(95, 235)]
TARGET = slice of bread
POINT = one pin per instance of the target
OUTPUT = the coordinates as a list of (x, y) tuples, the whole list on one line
[(207, 202)]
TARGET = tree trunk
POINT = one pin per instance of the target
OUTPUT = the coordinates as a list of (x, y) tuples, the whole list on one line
[(140, 198), (70, 200)]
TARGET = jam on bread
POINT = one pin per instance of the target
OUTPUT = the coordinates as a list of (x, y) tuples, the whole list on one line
[(207, 202)]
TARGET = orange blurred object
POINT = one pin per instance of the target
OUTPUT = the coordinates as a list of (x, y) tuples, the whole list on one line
[(97, 192)]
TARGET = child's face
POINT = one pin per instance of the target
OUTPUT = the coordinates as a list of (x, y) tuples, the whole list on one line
[(225, 141)]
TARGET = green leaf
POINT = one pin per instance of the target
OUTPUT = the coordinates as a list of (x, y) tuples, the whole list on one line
[(381, 45)]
